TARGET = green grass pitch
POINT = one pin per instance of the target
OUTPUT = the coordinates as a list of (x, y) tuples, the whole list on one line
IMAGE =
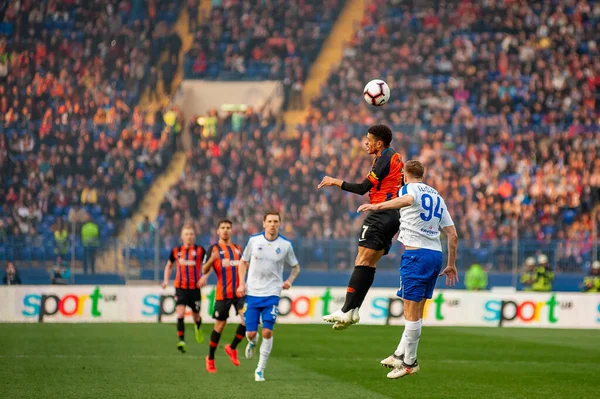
[(308, 361)]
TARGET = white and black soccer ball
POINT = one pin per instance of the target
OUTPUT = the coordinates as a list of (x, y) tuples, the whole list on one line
[(376, 92)]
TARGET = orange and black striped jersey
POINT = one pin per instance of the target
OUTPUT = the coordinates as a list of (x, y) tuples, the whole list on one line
[(188, 263), (228, 258), (386, 176)]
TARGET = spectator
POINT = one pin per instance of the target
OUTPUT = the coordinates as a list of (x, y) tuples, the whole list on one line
[(77, 215), (3, 231), (90, 240), (153, 84), (476, 278), (89, 195), (61, 239), (126, 197), (61, 273), (543, 275), (591, 283), (11, 275), (528, 275), (145, 231)]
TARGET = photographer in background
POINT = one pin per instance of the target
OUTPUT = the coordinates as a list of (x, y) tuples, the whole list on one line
[(61, 273), (11, 275)]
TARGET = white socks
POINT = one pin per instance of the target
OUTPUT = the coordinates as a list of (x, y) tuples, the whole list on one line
[(401, 349), (265, 351), (412, 331), (255, 340)]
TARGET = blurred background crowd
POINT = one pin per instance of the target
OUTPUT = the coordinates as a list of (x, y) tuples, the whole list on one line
[(498, 98)]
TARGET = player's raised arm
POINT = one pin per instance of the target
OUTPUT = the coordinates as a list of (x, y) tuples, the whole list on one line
[(356, 188), (396, 203)]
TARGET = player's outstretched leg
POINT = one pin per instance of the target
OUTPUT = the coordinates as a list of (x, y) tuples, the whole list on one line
[(197, 331), (407, 348), (181, 334), (212, 347), (231, 349), (395, 359), (358, 286), (360, 282), (252, 318), (265, 350), (215, 337), (342, 320), (251, 347), (405, 363)]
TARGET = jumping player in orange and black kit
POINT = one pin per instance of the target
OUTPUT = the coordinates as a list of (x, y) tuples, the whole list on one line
[(224, 259), (188, 259), (379, 228)]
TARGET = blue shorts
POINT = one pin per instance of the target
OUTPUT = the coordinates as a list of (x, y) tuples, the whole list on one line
[(257, 307), (419, 271)]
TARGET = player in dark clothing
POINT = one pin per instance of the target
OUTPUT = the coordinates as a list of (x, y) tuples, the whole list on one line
[(187, 259), (224, 259), (375, 238)]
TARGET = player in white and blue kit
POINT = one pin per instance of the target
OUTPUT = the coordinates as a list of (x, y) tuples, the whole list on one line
[(423, 213), (264, 258)]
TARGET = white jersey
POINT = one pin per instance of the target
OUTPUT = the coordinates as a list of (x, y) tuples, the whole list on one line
[(421, 222), (265, 273)]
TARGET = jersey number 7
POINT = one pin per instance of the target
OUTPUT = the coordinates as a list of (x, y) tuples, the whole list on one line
[(427, 205)]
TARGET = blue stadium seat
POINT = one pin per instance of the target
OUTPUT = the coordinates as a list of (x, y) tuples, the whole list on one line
[(146, 274), (7, 28), (78, 251)]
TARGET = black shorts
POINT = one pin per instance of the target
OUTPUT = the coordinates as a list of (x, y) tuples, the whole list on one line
[(222, 307), (378, 230), (188, 297)]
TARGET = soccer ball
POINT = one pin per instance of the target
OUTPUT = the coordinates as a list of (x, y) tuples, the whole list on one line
[(376, 92)]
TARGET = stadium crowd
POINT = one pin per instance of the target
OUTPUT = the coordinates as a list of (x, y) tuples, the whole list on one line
[(73, 141), (497, 98), (259, 40)]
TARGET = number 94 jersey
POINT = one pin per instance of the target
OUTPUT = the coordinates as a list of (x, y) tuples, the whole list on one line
[(421, 222)]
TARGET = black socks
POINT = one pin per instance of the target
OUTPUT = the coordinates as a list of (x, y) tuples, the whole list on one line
[(180, 329), (239, 336), (214, 342), (358, 286)]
